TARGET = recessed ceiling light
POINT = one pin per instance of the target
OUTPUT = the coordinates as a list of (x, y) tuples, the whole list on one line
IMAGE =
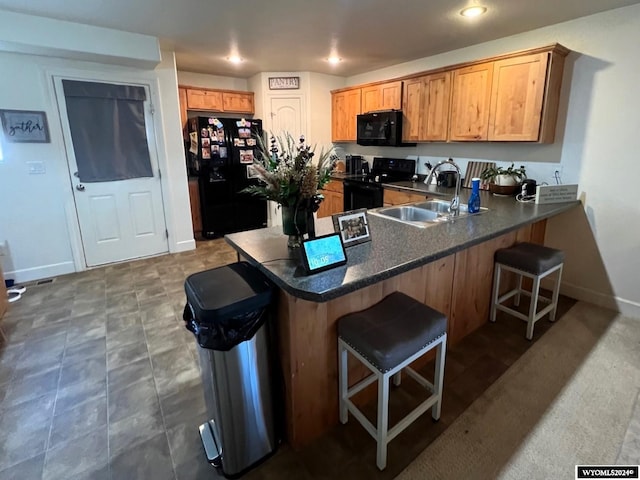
[(473, 11), (334, 59), (235, 59)]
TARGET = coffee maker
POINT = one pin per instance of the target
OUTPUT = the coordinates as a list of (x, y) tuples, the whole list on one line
[(353, 164)]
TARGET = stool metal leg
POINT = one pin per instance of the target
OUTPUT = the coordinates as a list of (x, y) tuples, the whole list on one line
[(497, 271), (556, 294), (516, 300), (383, 421), (533, 306), (343, 373), (438, 378)]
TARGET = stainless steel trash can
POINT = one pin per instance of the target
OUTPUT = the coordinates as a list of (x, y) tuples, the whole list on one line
[(228, 310)]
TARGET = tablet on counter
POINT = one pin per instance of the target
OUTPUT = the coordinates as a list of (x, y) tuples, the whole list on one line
[(323, 253)]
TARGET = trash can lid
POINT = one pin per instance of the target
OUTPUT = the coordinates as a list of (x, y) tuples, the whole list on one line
[(225, 292)]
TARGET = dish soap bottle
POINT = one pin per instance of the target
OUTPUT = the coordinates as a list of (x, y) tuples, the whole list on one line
[(474, 199)]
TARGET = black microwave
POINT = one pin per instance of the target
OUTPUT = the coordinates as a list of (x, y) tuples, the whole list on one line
[(382, 128)]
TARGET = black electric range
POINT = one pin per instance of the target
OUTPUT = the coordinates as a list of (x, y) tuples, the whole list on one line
[(366, 191)]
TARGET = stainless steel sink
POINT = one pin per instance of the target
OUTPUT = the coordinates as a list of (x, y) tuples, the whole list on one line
[(442, 206), (423, 214)]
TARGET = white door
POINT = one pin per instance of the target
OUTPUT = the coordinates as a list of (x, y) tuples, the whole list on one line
[(118, 220), (286, 114)]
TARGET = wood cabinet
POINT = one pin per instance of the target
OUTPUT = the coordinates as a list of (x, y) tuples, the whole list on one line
[(240, 102), (517, 98), (345, 106), (385, 96), (398, 197), (200, 99), (196, 216), (184, 116), (507, 98), (333, 199), (425, 108), (212, 100), (470, 103)]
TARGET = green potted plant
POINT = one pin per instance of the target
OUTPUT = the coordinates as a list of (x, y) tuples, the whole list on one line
[(503, 181)]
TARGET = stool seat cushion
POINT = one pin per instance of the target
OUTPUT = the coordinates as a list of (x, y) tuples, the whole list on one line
[(392, 330), (530, 257)]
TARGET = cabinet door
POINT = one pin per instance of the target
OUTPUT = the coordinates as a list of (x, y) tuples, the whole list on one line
[(182, 95), (238, 102), (470, 103), (345, 107), (387, 96), (412, 109), (516, 98), (434, 118), (396, 197), (204, 100)]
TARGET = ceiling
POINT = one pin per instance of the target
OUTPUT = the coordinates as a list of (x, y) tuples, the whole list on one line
[(298, 35)]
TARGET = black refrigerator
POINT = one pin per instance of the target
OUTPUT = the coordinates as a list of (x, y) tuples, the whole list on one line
[(221, 154)]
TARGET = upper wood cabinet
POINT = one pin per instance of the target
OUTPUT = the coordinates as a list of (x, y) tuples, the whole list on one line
[(345, 106), (204, 99), (470, 103), (241, 102), (517, 98), (507, 98), (229, 101), (385, 96), (426, 108), (184, 116)]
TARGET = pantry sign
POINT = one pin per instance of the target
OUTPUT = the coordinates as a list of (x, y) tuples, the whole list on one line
[(284, 83)]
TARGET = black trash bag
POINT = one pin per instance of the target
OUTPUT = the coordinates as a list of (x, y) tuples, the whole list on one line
[(225, 334)]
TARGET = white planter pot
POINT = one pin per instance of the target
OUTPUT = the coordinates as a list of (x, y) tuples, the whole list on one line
[(506, 180)]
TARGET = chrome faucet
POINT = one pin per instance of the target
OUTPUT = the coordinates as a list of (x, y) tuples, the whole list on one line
[(454, 208)]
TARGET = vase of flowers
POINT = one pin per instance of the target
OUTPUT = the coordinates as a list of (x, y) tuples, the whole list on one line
[(291, 174)]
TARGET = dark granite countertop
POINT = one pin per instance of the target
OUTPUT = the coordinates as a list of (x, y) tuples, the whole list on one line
[(394, 247)]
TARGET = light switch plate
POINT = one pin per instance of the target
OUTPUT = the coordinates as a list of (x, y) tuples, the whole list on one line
[(36, 167), (556, 193)]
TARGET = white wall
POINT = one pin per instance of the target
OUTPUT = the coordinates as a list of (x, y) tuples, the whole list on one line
[(202, 80), (37, 214), (597, 135)]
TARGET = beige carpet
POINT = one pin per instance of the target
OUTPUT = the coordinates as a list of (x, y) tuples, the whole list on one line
[(568, 400)]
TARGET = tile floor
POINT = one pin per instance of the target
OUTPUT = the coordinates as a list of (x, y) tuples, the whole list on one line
[(99, 380)]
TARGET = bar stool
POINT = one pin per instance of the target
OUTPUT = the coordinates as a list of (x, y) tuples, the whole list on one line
[(531, 261), (386, 338)]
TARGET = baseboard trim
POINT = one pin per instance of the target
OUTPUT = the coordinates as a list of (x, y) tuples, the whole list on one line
[(184, 246), (626, 307), (38, 273)]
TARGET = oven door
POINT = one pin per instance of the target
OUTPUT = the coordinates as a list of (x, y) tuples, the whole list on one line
[(362, 195)]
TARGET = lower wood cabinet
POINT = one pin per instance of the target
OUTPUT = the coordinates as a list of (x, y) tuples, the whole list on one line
[(397, 197), (333, 199), (196, 216)]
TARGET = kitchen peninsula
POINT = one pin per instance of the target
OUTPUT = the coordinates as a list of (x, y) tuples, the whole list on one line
[(448, 266)]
